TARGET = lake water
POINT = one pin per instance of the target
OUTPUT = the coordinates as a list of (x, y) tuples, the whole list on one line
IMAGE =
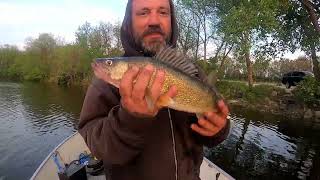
[(34, 118)]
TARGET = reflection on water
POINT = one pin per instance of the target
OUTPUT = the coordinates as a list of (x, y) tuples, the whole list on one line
[(51, 107), (35, 118), (263, 147)]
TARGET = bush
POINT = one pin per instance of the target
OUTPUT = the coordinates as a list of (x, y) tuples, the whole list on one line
[(240, 89), (232, 89), (263, 90), (308, 91), (35, 74)]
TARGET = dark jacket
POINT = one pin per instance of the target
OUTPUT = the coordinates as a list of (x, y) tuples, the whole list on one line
[(141, 148), (135, 148)]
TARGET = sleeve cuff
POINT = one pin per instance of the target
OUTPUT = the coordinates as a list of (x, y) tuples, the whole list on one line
[(134, 123)]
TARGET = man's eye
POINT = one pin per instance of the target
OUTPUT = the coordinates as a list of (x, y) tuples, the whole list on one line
[(164, 13), (143, 13)]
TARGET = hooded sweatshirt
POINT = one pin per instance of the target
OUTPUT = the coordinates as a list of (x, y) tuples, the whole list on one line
[(157, 148)]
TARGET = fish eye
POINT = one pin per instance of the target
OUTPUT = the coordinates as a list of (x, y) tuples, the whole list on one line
[(109, 62)]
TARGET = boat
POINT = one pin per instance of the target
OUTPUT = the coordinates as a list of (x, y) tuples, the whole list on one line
[(73, 146)]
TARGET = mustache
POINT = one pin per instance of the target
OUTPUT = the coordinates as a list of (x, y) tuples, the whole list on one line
[(152, 30)]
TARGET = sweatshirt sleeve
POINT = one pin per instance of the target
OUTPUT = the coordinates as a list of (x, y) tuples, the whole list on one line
[(111, 133)]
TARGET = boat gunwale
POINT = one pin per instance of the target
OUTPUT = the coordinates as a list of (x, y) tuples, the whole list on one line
[(218, 169), (212, 165), (50, 154)]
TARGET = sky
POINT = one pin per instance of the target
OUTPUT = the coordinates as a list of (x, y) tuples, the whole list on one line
[(20, 19)]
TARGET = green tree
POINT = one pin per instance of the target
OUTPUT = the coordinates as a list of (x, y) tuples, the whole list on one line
[(187, 39), (8, 55), (245, 23), (203, 14), (117, 37), (298, 31), (42, 49), (91, 43), (313, 9), (261, 66), (83, 35)]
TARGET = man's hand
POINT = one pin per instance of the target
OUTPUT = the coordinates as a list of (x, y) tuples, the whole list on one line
[(133, 95), (212, 122)]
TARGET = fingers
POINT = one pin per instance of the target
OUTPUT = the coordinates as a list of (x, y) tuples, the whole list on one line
[(157, 84), (206, 124), (172, 92), (212, 122), (139, 89), (126, 83), (202, 131), (223, 108), (217, 120)]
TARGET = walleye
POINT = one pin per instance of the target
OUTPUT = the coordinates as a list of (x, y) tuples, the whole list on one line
[(193, 95)]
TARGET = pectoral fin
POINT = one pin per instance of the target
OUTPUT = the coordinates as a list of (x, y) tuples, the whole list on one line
[(199, 115), (165, 101)]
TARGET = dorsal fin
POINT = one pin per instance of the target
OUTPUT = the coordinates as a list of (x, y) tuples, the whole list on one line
[(174, 58)]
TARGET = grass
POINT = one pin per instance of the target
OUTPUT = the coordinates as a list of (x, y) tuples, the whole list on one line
[(240, 90)]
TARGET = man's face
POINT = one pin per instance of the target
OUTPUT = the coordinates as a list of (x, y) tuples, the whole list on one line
[(151, 23)]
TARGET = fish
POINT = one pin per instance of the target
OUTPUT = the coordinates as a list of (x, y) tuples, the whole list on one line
[(193, 95)]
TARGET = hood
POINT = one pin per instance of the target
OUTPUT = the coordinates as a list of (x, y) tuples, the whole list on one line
[(128, 43)]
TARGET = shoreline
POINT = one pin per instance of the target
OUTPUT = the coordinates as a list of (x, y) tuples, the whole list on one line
[(287, 108), (279, 103)]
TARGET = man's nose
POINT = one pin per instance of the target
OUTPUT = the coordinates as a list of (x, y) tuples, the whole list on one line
[(154, 19)]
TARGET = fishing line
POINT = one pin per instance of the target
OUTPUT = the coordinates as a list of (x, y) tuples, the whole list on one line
[(174, 144)]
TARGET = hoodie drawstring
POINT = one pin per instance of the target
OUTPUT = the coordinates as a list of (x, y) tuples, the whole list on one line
[(174, 145)]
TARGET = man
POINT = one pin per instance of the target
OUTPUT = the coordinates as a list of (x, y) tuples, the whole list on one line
[(133, 141)]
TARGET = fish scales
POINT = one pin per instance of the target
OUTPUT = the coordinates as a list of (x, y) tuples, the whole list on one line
[(193, 95)]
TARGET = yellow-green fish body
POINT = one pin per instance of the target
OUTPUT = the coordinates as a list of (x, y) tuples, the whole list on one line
[(193, 95)]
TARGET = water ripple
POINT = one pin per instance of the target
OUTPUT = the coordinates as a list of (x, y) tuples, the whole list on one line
[(259, 149), (35, 118)]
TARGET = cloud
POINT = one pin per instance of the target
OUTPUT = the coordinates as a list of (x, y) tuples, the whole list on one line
[(12, 14), (61, 18)]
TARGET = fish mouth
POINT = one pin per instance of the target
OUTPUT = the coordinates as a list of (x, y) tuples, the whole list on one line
[(102, 72)]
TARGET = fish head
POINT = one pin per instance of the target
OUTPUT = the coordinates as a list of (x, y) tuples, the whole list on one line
[(110, 70)]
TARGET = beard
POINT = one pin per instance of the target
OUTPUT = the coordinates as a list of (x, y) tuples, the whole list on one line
[(151, 46)]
